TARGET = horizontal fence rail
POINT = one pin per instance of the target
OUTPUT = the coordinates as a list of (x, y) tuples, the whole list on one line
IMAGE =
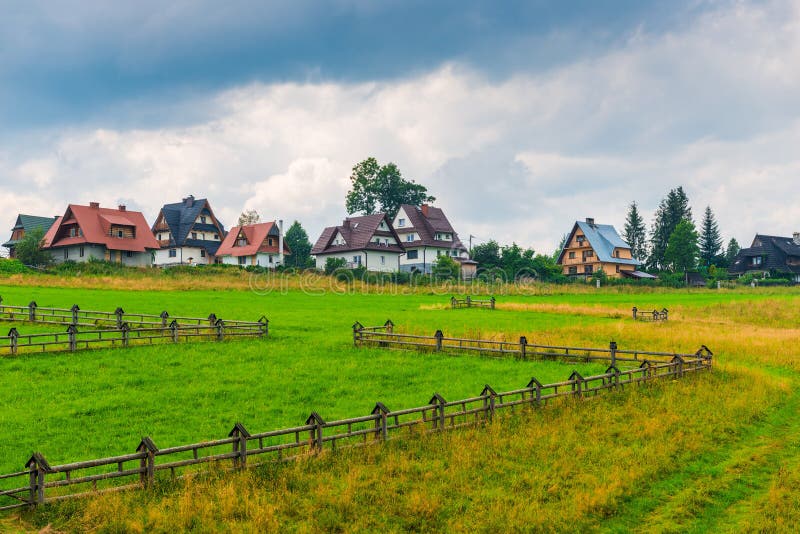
[(385, 336), (650, 316), (42, 483), (470, 302)]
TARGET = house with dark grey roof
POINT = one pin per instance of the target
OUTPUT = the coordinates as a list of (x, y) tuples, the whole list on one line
[(188, 232), (770, 256), (591, 247), (426, 234), (369, 241), (26, 224)]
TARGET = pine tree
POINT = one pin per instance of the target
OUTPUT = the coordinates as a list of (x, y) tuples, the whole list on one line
[(682, 250), (672, 210), (297, 240), (732, 250), (710, 239), (635, 233)]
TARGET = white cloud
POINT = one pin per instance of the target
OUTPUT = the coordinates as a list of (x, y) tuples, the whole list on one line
[(715, 108)]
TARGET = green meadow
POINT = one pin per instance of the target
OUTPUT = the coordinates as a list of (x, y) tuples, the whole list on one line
[(712, 452)]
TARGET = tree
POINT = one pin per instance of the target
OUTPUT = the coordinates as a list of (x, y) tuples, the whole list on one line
[(732, 250), (29, 249), (334, 264), (561, 244), (445, 268), (297, 240), (671, 211), (710, 239), (377, 188), (487, 255), (249, 217), (682, 250), (635, 233)]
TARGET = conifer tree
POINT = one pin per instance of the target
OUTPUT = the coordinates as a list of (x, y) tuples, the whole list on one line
[(635, 233), (710, 239)]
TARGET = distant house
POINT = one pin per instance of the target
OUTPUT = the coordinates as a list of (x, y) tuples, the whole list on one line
[(26, 224), (116, 235), (369, 241), (187, 232), (426, 234), (254, 244), (770, 255), (591, 247)]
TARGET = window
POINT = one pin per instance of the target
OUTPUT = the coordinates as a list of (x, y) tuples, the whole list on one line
[(383, 260), (617, 268), (202, 253), (72, 232), (412, 254), (573, 270), (269, 241), (757, 260), (241, 242), (589, 253), (216, 237), (159, 237), (438, 253), (242, 260), (194, 235), (401, 222), (80, 252), (173, 253), (454, 253), (588, 269), (270, 258), (572, 255), (119, 233), (410, 237), (202, 219), (357, 259), (128, 253), (580, 239)]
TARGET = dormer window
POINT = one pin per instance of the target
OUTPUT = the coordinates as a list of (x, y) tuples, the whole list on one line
[(202, 219), (120, 233), (269, 241), (401, 222), (194, 235)]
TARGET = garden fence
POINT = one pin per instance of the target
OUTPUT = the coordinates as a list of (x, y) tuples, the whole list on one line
[(650, 316), (470, 302)]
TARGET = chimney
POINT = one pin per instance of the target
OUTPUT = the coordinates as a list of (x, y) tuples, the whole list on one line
[(590, 221), (280, 241), (121, 207), (424, 209), (94, 205), (346, 223), (797, 238), (189, 201)]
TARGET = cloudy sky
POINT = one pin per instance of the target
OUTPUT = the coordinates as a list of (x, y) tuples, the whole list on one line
[(520, 117)]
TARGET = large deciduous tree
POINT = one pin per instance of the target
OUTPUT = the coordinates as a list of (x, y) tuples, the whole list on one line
[(710, 239), (29, 250), (682, 250), (249, 217), (376, 188), (635, 233)]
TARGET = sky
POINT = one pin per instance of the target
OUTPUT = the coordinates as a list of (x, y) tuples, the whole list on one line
[(520, 117)]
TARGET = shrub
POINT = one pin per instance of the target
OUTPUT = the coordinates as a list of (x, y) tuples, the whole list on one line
[(334, 264), (8, 266)]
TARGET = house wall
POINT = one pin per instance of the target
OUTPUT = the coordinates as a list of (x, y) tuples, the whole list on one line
[(426, 257), (100, 252), (371, 259), (182, 255), (585, 255), (261, 259)]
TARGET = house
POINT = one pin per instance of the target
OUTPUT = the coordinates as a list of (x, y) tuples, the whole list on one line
[(116, 235), (26, 224), (591, 247), (770, 255), (426, 234), (187, 232), (254, 244), (369, 241)]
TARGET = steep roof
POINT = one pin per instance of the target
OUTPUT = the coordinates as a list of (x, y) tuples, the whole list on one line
[(28, 223), (776, 251), (180, 217), (427, 221), (357, 233), (256, 236), (95, 224), (603, 239)]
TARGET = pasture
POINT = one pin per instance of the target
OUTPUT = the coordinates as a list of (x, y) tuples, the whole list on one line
[(716, 451)]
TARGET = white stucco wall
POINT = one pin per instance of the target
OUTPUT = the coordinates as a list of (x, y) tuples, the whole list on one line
[(182, 255), (369, 259)]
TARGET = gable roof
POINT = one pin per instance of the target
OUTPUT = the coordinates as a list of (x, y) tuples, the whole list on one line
[(427, 221), (95, 224), (603, 238), (180, 217), (357, 233), (776, 251), (256, 236), (28, 223)]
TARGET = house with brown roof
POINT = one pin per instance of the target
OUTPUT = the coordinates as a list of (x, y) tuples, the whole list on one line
[(26, 224), (369, 241), (591, 247), (426, 234), (259, 244), (86, 232), (770, 255), (187, 232)]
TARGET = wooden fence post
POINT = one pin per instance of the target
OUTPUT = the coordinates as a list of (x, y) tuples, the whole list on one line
[(492, 301), (489, 395), (665, 313), (381, 424), (613, 348), (173, 326), (677, 363), (655, 315), (316, 432), (705, 353), (75, 309), (220, 330), (13, 340), (523, 347), (38, 468), (264, 328), (537, 386), (164, 316), (577, 385), (453, 302), (240, 445), (358, 328), (438, 401), (119, 312), (635, 309), (645, 367), (212, 319), (147, 465), (439, 336), (469, 301), (72, 332), (32, 311), (389, 325), (126, 330)]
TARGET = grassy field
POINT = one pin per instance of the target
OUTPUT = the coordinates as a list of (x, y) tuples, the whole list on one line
[(718, 452)]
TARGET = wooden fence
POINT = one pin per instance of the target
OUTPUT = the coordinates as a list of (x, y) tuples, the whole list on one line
[(650, 316), (39, 482), (470, 302), (385, 336)]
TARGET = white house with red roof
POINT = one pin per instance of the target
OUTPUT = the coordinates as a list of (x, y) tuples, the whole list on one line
[(259, 244), (368, 241), (116, 235), (426, 234)]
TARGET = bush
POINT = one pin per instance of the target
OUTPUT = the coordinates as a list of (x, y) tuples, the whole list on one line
[(334, 264), (8, 266)]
